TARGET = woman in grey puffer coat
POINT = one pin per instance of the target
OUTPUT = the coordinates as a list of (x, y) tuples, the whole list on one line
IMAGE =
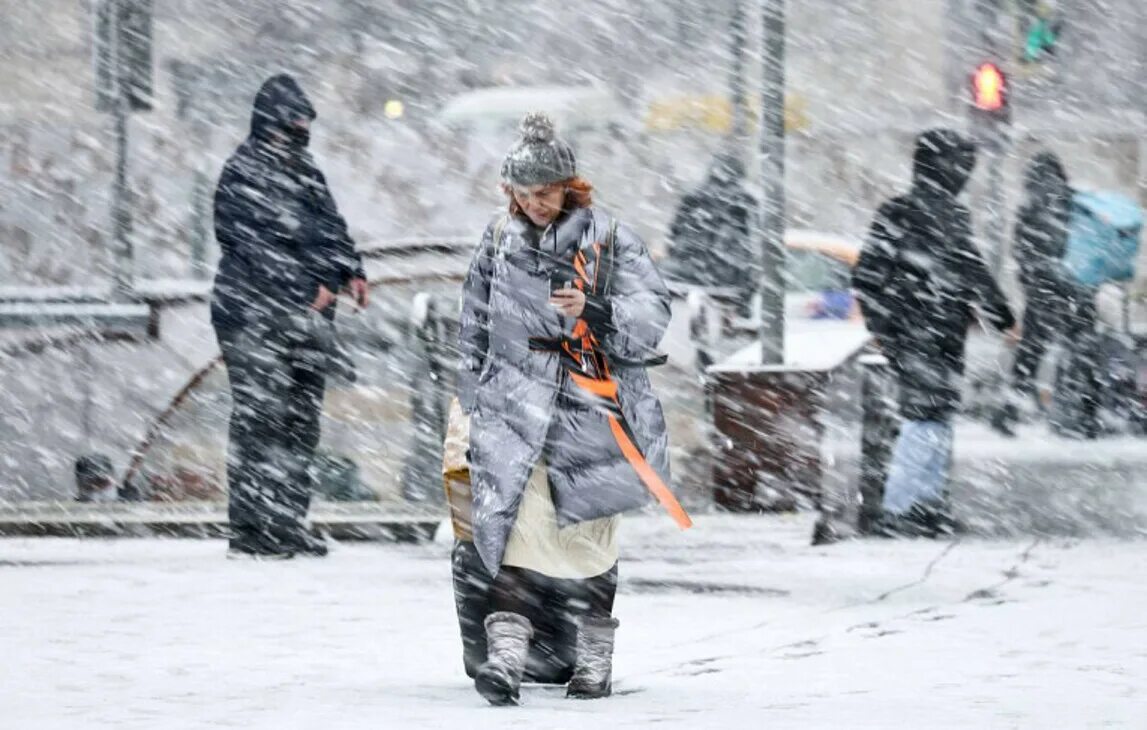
[(549, 478)]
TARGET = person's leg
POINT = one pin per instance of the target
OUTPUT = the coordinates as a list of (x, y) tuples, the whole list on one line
[(1038, 326), (593, 596), (516, 590), (591, 603), (921, 460), (1081, 328), (302, 432), (1042, 315), (256, 423), (513, 596)]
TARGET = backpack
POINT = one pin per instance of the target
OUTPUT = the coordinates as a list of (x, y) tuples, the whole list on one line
[(1103, 238)]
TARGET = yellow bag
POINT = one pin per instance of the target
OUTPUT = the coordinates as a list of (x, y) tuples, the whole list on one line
[(456, 472)]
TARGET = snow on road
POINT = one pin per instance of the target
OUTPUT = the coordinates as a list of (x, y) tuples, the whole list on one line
[(735, 624)]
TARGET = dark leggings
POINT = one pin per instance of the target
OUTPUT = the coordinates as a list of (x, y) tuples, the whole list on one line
[(541, 598), (1048, 316)]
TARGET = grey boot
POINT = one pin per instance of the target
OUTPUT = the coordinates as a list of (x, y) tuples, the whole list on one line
[(593, 671), (507, 646)]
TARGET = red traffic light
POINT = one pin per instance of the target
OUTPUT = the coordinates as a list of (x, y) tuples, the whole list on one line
[(989, 88)]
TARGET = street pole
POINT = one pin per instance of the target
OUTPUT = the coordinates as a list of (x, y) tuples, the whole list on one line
[(738, 129), (121, 213), (200, 210), (772, 160), (196, 94), (201, 190), (995, 145), (992, 131)]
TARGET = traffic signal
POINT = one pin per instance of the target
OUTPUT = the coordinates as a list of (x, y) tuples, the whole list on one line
[(1040, 40), (990, 91)]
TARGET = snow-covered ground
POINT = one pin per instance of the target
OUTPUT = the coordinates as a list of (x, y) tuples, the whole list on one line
[(735, 624)]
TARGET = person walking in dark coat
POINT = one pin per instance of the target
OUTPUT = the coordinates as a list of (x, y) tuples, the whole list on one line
[(1055, 305), (710, 239), (286, 254), (917, 280)]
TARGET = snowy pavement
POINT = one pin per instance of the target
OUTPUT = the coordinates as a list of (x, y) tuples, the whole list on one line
[(735, 624)]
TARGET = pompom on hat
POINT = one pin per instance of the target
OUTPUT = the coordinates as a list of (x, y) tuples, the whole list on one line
[(539, 157)]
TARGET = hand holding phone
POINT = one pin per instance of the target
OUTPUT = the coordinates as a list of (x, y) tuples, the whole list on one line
[(569, 301)]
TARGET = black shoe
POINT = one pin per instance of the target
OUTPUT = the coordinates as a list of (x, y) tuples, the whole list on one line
[(931, 521), (910, 524), (307, 544), (1004, 420), (943, 524), (824, 532), (248, 545)]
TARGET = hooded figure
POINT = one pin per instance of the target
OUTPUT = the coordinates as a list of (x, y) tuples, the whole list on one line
[(1054, 303), (279, 231), (548, 476), (710, 239), (286, 253), (1042, 227), (918, 279)]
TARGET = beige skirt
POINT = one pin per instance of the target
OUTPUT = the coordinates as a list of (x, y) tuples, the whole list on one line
[(536, 543)]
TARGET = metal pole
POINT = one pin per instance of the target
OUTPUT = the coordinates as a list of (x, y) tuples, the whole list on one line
[(121, 213), (996, 200), (772, 159), (991, 44), (200, 202), (738, 39), (88, 405)]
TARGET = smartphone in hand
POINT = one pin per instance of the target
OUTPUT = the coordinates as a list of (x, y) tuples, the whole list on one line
[(560, 280)]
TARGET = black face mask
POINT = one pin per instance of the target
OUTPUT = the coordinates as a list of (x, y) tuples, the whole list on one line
[(298, 136)]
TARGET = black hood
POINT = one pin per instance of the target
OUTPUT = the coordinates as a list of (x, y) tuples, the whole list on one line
[(1046, 180), (943, 160), (727, 169), (279, 102)]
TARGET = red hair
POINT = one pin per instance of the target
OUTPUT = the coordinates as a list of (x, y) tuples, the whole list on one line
[(579, 194)]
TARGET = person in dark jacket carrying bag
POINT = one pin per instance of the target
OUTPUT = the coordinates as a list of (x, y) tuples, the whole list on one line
[(286, 254), (917, 280), (1055, 304)]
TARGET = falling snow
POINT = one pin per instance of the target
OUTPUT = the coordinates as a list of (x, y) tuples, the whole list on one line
[(985, 284)]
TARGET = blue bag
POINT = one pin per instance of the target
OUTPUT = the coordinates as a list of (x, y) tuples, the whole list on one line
[(1103, 237)]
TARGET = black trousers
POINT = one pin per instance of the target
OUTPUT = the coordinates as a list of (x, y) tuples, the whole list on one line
[(543, 599), (1048, 316), (274, 431)]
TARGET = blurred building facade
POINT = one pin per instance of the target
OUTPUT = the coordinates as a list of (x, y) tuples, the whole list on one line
[(864, 76)]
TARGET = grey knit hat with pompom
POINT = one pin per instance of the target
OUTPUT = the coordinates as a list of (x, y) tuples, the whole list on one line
[(539, 157)]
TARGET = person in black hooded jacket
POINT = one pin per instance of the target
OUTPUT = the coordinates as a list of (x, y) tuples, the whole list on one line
[(1054, 303), (710, 239), (286, 254), (918, 278)]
